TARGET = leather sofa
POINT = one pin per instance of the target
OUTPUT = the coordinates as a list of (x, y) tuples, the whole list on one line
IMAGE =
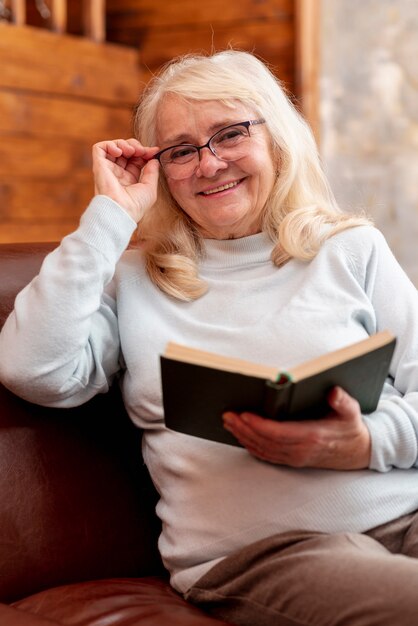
[(78, 530)]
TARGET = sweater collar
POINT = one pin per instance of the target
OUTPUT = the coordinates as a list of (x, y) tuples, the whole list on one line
[(232, 252)]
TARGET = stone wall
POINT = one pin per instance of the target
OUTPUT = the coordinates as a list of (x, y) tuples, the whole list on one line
[(369, 114)]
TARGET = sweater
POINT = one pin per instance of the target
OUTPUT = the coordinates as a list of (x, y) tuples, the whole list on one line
[(92, 314)]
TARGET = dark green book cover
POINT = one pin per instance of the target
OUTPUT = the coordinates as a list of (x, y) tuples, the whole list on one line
[(195, 396)]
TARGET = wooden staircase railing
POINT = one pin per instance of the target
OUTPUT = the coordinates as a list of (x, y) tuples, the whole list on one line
[(56, 11)]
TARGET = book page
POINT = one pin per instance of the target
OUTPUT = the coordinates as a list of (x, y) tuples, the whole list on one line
[(211, 359), (337, 357)]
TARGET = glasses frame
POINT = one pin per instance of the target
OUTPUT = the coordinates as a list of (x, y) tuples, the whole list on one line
[(246, 124)]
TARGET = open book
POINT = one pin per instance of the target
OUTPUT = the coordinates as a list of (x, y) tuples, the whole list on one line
[(199, 386)]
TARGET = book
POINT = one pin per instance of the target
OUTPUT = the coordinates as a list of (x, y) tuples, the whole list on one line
[(198, 386)]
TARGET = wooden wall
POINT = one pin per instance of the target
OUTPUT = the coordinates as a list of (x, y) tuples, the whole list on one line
[(58, 96), (60, 93), (161, 29)]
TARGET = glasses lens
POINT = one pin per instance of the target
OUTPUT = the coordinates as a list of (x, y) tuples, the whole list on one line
[(180, 161), (230, 143)]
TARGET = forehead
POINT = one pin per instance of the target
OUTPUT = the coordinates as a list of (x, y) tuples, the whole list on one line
[(186, 120)]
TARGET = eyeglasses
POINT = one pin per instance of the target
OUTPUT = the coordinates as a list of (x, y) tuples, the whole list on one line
[(228, 144)]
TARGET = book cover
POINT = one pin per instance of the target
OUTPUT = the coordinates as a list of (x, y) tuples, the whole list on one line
[(199, 386)]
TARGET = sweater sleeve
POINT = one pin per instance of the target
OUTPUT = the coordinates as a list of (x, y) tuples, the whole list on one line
[(60, 345), (394, 425)]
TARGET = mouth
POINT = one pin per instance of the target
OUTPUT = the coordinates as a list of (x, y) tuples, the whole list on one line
[(220, 188)]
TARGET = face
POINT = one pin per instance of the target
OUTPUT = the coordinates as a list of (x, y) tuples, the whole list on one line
[(224, 199)]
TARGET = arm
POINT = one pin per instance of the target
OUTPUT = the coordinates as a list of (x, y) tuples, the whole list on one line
[(394, 426), (60, 345), (347, 440)]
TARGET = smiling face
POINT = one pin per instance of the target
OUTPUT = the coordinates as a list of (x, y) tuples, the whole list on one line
[(224, 199)]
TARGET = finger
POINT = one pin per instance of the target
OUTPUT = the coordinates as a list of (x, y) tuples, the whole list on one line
[(343, 404), (127, 151), (240, 427), (274, 430), (138, 158), (114, 147), (263, 449), (149, 173), (128, 148), (144, 152)]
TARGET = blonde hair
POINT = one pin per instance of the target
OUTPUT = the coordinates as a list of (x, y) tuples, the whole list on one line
[(301, 212)]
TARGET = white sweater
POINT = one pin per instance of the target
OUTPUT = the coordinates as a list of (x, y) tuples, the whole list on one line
[(68, 338)]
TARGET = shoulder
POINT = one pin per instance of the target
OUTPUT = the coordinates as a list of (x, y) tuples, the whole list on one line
[(357, 241), (361, 250)]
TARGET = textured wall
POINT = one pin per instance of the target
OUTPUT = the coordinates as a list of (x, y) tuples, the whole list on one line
[(369, 114)]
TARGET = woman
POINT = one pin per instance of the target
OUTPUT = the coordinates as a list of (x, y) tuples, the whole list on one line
[(241, 250)]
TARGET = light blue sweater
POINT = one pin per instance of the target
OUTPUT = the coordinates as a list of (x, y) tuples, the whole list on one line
[(92, 313)]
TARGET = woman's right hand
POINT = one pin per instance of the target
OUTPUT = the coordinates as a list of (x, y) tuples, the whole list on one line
[(125, 172)]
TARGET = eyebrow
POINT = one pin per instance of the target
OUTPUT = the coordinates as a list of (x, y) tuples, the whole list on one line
[(185, 138)]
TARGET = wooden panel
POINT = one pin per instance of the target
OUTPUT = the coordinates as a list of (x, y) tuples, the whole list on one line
[(36, 59), (24, 200), (27, 113), (59, 94), (162, 30), (13, 232), (45, 184), (272, 42), (133, 14), (32, 156)]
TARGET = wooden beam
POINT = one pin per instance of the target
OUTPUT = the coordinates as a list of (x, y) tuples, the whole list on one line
[(56, 116), (34, 59), (19, 12), (24, 232), (134, 14), (94, 12), (272, 41), (307, 56), (59, 16)]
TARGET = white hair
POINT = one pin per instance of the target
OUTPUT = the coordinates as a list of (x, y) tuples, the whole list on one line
[(301, 211)]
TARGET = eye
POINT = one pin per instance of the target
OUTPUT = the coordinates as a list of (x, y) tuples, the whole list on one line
[(231, 135), (181, 153)]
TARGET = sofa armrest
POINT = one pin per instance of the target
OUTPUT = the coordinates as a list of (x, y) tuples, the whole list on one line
[(10, 616), (76, 500)]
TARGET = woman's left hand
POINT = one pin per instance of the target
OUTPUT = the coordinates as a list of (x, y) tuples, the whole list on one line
[(340, 441)]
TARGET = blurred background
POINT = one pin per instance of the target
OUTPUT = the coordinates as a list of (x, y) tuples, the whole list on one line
[(71, 72)]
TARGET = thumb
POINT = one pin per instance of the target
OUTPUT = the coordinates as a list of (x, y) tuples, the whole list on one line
[(342, 403), (149, 173)]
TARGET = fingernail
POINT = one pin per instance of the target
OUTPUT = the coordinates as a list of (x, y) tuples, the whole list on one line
[(228, 418)]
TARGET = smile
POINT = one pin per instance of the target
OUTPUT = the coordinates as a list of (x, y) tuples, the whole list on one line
[(220, 188)]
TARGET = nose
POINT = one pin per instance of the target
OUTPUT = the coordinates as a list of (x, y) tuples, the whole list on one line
[(209, 163)]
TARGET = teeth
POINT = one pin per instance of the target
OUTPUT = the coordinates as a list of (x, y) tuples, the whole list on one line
[(221, 188)]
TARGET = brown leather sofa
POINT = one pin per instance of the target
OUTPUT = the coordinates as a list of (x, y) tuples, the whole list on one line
[(78, 531)]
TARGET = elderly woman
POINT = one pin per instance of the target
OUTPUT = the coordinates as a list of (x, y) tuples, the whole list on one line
[(237, 246)]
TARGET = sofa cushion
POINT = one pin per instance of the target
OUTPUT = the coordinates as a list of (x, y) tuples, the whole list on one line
[(120, 602)]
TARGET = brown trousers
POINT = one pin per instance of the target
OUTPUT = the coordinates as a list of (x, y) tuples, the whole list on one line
[(317, 579)]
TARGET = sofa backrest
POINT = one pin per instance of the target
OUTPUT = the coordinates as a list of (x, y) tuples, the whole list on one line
[(76, 501)]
